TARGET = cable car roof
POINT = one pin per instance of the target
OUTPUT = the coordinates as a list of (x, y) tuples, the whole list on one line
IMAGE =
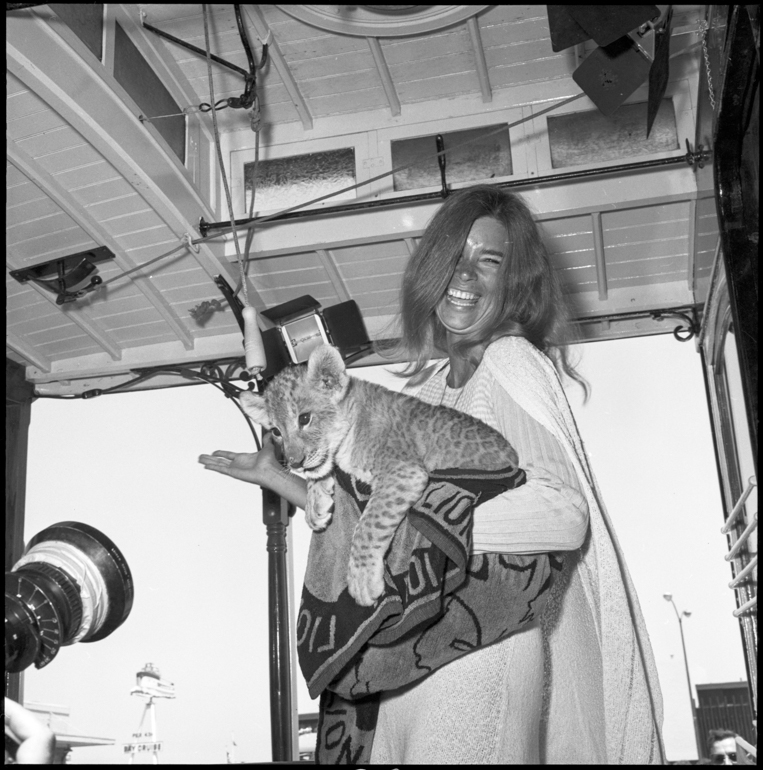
[(86, 170)]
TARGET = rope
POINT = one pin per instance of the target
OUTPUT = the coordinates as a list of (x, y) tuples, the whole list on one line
[(249, 226), (183, 245), (250, 231), (220, 157), (186, 111)]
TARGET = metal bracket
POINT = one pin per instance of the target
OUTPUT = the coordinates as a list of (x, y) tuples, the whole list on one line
[(692, 324), (246, 100), (441, 161), (188, 240), (697, 158), (65, 277)]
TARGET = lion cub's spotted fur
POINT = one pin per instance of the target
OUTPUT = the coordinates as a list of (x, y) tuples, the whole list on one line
[(323, 417)]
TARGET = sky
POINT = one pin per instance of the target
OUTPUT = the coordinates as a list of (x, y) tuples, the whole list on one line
[(195, 543)]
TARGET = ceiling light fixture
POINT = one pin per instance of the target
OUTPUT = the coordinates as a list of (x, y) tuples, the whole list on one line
[(69, 278)]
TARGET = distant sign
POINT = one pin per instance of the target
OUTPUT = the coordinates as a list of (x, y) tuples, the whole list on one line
[(130, 747)]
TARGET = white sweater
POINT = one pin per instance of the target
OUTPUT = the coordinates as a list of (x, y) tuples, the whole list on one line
[(579, 686), (547, 513)]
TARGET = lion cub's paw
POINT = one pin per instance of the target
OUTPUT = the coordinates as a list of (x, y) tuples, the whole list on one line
[(365, 582), (318, 523), (320, 503)]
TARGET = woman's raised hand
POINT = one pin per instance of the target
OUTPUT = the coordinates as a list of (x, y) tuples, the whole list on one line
[(260, 468), (254, 467)]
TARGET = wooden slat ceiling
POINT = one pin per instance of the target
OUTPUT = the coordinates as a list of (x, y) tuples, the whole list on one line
[(78, 178)]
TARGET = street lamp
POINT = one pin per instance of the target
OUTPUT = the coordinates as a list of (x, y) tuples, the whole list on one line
[(679, 615)]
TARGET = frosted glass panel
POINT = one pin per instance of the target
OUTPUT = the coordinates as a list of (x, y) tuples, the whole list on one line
[(581, 138), (487, 158), (285, 182)]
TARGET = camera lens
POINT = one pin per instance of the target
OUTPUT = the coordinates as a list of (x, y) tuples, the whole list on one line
[(71, 585)]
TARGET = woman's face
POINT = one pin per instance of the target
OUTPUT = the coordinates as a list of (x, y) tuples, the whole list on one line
[(472, 291)]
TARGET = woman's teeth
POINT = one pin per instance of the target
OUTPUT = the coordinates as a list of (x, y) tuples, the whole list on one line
[(462, 298)]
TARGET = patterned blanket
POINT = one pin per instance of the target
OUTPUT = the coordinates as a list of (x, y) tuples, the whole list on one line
[(439, 603)]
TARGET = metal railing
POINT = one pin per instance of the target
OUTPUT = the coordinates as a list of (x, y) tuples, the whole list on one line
[(739, 546)]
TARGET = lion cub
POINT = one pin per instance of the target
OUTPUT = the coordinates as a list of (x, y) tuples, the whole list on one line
[(323, 417)]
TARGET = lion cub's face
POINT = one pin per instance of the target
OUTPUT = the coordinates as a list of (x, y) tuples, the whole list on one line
[(302, 408)]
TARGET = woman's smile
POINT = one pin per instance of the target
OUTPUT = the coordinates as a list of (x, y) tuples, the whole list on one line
[(462, 298)]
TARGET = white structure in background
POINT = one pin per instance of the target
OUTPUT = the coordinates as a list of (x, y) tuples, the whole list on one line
[(57, 719), (150, 686), (230, 754)]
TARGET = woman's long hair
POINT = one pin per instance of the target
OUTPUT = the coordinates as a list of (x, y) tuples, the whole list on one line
[(529, 296)]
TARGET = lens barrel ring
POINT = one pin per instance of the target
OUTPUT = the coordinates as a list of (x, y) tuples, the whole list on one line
[(110, 562)]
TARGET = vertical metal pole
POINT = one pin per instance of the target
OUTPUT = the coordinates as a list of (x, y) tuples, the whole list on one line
[(275, 516), (154, 739), (688, 682)]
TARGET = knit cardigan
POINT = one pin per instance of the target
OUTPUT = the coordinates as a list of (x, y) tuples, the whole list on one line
[(580, 688)]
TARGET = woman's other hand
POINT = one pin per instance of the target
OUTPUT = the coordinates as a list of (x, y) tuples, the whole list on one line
[(254, 467), (261, 468)]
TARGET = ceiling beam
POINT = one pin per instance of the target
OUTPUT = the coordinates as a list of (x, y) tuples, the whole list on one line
[(27, 352), (66, 201), (479, 59), (262, 29), (598, 248), (79, 367), (331, 268), (690, 282), (384, 74)]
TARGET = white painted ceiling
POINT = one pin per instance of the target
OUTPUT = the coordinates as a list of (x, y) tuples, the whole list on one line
[(83, 171)]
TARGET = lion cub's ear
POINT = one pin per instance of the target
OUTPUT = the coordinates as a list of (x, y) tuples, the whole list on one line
[(254, 406), (326, 371)]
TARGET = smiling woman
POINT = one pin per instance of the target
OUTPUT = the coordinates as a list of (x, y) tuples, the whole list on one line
[(481, 272), (473, 289), (480, 287)]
